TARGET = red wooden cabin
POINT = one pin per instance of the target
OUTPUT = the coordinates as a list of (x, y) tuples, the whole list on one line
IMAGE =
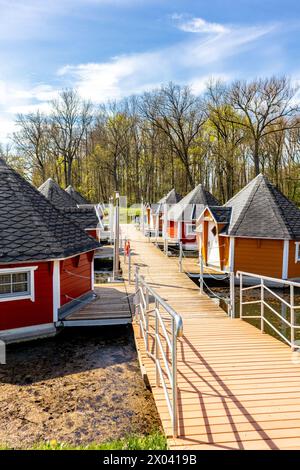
[(46, 261), (156, 212), (183, 215)]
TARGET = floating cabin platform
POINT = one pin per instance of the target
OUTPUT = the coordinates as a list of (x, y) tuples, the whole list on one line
[(237, 388), (112, 305)]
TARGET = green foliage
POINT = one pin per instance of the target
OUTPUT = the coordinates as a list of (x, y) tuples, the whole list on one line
[(154, 441)]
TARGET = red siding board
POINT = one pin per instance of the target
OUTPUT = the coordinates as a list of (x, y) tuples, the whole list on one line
[(75, 281), (22, 313)]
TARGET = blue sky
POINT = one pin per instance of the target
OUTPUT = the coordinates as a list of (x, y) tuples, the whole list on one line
[(108, 49)]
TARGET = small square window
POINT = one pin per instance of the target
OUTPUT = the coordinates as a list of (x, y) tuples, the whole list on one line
[(14, 284), (190, 229)]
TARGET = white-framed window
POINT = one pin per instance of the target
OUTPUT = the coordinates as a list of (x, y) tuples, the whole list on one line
[(297, 252), (190, 229), (17, 283)]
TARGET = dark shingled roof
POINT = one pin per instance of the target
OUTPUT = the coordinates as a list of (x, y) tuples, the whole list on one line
[(76, 195), (221, 214), (85, 217), (52, 191), (171, 198), (261, 210), (191, 206), (33, 229)]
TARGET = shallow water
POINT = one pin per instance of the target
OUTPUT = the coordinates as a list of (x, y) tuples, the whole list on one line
[(221, 289)]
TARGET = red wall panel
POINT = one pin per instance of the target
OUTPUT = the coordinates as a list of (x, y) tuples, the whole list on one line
[(75, 280), (92, 233), (187, 238), (22, 313)]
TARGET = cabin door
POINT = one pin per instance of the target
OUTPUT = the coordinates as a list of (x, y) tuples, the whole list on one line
[(213, 254)]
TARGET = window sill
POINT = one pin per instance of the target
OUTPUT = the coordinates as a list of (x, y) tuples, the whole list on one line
[(18, 297)]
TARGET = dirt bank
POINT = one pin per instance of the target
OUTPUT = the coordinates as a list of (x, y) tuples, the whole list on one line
[(80, 387)]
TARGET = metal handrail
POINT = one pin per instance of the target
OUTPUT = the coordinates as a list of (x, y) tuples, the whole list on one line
[(165, 344), (263, 303)]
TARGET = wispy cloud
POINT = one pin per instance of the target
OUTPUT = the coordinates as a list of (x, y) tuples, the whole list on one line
[(193, 60), (199, 25), (189, 61)]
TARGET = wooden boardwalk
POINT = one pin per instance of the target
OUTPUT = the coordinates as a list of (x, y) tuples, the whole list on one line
[(111, 306), (238, 388)]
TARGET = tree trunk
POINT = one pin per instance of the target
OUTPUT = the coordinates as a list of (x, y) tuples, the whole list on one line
[(256, 157)]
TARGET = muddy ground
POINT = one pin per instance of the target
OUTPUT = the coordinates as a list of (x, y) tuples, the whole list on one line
[(82, 386)]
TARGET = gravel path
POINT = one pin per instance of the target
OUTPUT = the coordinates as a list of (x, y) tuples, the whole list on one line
[(82, 386)]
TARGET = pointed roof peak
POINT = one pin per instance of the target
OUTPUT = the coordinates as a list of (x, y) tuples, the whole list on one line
[(55, 194), (32, 228), (76, 196), (172, 197), (190, 207), (262, 210)]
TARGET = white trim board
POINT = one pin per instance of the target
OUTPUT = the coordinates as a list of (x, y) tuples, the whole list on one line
[(285, 259), (297, 258), (28, 332), (56, 289), (24, 269)]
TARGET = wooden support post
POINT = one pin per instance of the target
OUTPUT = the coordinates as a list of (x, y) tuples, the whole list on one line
[(180, 257)]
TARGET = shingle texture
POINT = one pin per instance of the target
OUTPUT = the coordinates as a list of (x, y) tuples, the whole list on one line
[(33, 229), (261, 210), (85, 217), (171, 198), (52, 191), (191, 206), (221, 214), (76, 195)]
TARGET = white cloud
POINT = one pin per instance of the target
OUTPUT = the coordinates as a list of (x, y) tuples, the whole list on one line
[(199, 25), (194, 59)]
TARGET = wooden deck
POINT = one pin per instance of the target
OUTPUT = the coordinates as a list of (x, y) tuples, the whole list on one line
[(112, 306), (238, 388)]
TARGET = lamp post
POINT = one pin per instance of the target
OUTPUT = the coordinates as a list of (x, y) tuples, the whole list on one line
[(116, 271), (111, 218)]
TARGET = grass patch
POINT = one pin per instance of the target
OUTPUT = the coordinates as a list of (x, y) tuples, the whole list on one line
[(154, 441)]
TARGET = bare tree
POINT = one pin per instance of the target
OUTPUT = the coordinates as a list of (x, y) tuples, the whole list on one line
[(70, 120), (32, 141), (267, 106), (178, 114)]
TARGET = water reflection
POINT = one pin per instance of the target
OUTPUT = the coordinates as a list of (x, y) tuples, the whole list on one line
[(221, 289)]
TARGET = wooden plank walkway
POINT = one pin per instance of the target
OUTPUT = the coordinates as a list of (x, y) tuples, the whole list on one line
[(112, 306), (238, 388)]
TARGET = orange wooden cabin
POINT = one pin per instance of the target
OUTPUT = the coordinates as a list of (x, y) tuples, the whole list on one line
[(257, 231)]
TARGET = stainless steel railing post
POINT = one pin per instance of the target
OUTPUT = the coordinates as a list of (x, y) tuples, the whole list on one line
[(292, 303), (262, 305), (174, 377), (156, 344)]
